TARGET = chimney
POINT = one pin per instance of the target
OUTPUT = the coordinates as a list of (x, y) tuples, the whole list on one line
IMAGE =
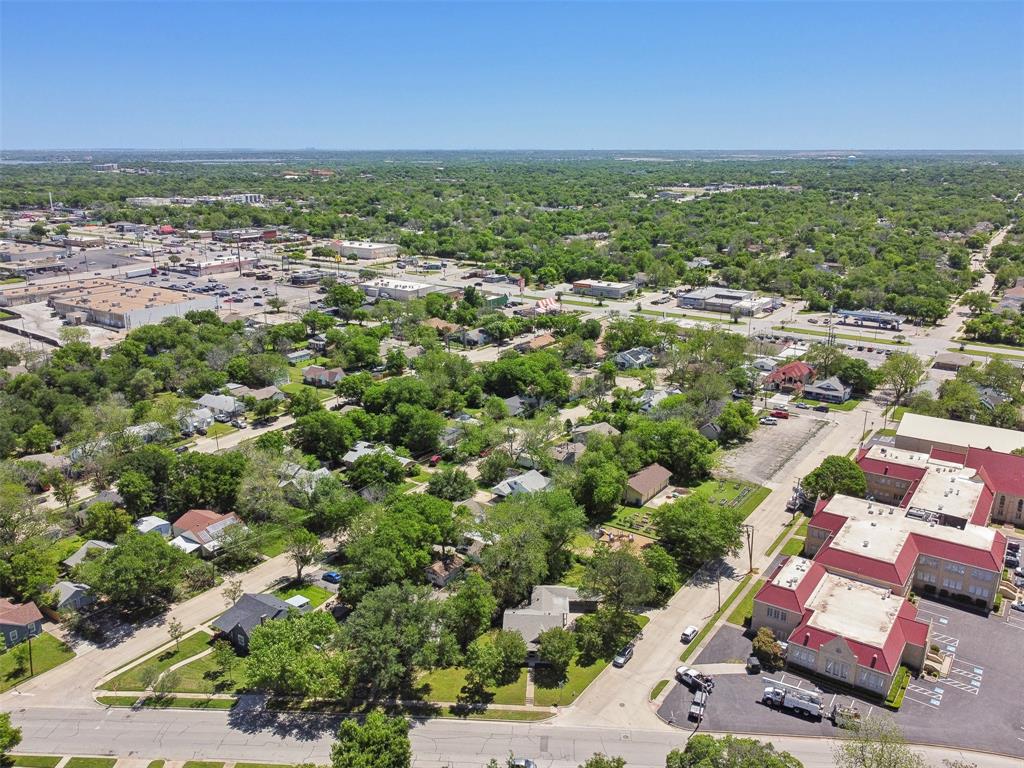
[(263, 618)]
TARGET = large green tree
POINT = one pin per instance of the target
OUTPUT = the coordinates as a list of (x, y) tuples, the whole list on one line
[(704, 751), (836, 474), (379, 741)]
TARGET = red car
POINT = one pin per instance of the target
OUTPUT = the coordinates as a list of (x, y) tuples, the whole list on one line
[(780, 414), (435, 460)]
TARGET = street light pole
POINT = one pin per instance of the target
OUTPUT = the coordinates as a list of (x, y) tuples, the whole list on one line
[(748, 531)]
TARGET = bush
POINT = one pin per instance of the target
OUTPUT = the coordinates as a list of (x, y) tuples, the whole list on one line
[(899, 687), (767, 650), (997, 603)]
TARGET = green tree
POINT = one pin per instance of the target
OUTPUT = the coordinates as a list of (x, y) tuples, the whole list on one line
[(137, 492), (469, 612), (176, 632), (303, 402), (599, 760), (106, 522), (767, 649), (976, 301), (696, 531), (379, 469), (304, 549), (380, 741), (900, 372), (297, 656), (29, 571), (10, 736), (494, 468), (37, 439), (736, 421), (704, 751), (224, 658), (836, 474), (619, 577), (557, 647), (452, 484), (140, 573), (875, 742)]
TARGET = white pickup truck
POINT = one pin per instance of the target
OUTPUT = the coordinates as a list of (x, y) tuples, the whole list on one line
[(802, 703)]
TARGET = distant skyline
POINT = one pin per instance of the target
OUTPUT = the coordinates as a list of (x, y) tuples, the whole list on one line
[(488, 75)]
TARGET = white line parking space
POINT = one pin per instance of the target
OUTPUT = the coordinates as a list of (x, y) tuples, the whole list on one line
[(1015, 619), (948, 643)]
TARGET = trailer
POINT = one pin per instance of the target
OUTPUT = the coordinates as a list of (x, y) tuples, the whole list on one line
[(789, 698)]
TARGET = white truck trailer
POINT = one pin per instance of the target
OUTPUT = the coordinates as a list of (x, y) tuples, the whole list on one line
[(792, 699)]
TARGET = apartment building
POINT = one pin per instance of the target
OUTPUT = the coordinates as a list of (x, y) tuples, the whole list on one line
[(840, 627)]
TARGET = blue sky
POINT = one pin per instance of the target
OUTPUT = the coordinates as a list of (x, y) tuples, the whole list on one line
[(722, 75)]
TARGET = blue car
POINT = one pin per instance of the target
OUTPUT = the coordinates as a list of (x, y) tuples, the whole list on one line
[(332, 577)]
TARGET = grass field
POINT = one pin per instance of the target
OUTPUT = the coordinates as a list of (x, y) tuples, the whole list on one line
[(577, 680), (317, 596), (167, 702), (867, 340), (744, 497), (985, 353), (202, 676), (132, 679), (658, 689), (849, 405), (91, 762), (34, 761), (203, 764), (47, 652), (744, 608), (446, 686)]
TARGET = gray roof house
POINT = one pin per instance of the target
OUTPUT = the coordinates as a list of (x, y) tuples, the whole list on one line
[(72, 596), (151, 523), (550, 606), (638, 357), (225, 404), (580, 434), (650, 398), (363, 448), (528, 482), (830, 390), (82, 552), (196, 418), (516, 405), (251, 610), (991, 398), (300, 478)]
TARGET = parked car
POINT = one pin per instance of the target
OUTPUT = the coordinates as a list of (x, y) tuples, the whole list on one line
[(223, 418), (780, 414), (181, 449), (523, 762), (700, 701), (688, 676), (622, 657), (802, 406), (1017, 606), (768, 420), (688, 634), (821, 408), (332, 577)]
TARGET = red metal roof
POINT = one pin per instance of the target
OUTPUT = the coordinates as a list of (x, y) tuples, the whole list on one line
[(198, 520), (1004, 470), (896, 573), (891, 469), (798, 369), (790, 599)]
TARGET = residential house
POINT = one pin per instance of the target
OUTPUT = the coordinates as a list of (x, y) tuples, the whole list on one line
[(151, 523), (646, 484), (991, 398), (452, 435), (567, 454), (603, 428), (318, 376), (550, 606), (528, 482), (650, 398), (518, 406), (631, 359), (222, 405), (251, 610), (80, 554), (441, 572), (442, 327), (318, 343), (72, 596), (196, 419), (299, 356), (953, 361), (537, 342), (765, 364), (711, 431), (362, 448), (830, 390), (261, 394), (791, 377), (300, 478), (201, 529), (19, 621), (475, 338)]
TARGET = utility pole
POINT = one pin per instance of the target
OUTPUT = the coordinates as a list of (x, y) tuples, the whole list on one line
[(31, 665), (748, 531)]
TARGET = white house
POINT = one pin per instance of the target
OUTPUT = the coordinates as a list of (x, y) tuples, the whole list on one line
[(528, 482)]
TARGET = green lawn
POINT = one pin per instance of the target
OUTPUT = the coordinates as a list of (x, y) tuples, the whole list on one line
[(219, 429), (446, 685), (524, 715), (714, 619), (849, 405), (316, 595), (742, 496), (794, 546), (203, 764), (167, 702), (261, 765), (91, 762), (132, 679), (658, 689), (885, 433), (744, 609), (577, 680), (984, 353), (47, 652), (156, 764), (866, 340), (202, 676), (895, 414), (34, 761), (273, 539)]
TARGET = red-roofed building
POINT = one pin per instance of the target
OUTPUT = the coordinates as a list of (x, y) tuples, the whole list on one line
[(19, 621), (201, 529), (839, 627), (791, 377), (1005, 474)]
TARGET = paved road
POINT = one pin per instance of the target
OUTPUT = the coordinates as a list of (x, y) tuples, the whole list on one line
[(253, 736)]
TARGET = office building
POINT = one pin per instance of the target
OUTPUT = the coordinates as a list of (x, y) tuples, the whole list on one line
[(727, 300), (603, 289), (397, 290), (365, 251)]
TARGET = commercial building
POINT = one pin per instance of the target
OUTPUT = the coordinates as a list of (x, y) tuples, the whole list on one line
[(119, 304), (923, 433), (221, 265), (713, 299), (889, 320), (603, 289), (830, 390), (364, 250), (251, 235), (398, 290), (841, 628)]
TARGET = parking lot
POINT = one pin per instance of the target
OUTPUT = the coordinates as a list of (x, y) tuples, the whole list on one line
[(978, 705), (770, 448)]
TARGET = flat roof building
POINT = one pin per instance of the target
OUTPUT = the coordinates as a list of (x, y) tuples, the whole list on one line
[(713, 299), (111, 303), (923, 433), (221, 265), (603, 289), (882, 319), (365, 250), (840, 627), (399, 290)]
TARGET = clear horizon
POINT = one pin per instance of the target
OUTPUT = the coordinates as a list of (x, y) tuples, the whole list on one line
[(492, 76)]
